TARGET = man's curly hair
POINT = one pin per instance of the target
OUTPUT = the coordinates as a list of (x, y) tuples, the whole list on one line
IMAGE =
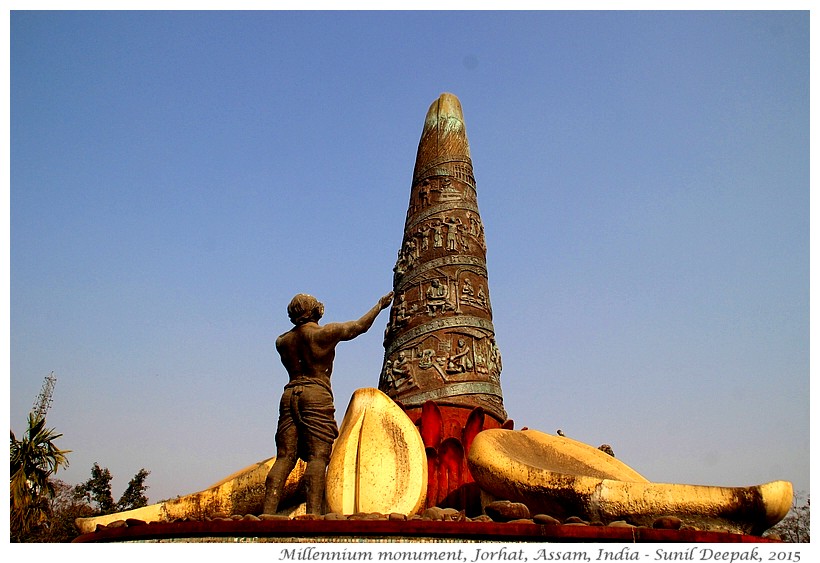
[(304, 308)]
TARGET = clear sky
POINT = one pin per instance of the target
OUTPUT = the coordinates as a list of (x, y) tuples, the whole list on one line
[(643, 179)]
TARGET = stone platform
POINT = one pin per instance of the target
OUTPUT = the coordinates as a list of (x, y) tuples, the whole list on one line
[(252, 530)]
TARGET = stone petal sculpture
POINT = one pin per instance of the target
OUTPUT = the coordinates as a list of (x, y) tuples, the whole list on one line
[(440, 343), (562, 477), (378, 462), (240, 493)]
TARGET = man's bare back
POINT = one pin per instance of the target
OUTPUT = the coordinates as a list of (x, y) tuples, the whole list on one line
[(308, 349), (306, 424)]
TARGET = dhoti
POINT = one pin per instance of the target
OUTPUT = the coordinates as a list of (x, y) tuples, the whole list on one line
[(307, 414)]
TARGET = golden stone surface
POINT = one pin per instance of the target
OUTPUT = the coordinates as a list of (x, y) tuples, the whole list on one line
[(378, 462), (240, 493), (561, 477)]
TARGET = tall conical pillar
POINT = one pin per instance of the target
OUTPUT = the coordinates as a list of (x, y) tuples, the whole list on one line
[(441, 360)]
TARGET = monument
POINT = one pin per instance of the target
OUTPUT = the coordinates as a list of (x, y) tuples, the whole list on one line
[(441, 360), (433, 442)]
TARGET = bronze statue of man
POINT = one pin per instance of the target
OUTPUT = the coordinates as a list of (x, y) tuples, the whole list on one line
[(307, 427)]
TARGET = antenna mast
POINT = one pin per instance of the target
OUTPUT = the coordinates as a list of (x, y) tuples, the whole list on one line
[(43, 401)]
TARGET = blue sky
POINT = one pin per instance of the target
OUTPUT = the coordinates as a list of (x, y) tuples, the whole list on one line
[(643, 179)]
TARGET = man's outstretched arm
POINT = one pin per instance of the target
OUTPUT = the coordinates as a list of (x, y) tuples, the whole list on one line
[(352, 329)]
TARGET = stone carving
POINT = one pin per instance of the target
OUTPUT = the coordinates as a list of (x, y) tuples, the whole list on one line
[(441, 324), (469, 296), (242, 492), (561, 477), (460, 362), (438, 298), (445, 439), (307, 427), (398, 373), (440, 342), (378, 462)]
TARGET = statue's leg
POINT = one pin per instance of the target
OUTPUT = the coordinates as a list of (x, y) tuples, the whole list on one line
[(286, 443), (317, 428), (278, 474), (315, 475)]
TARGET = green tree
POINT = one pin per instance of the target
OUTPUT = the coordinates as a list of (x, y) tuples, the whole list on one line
[(134, 495), (97, 491), (65, 509), (34, 458)]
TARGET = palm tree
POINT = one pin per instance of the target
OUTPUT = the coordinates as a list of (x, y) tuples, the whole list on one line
[(34, 458)]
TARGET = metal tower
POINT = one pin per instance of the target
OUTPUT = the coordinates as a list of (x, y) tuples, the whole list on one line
[(44, 399)]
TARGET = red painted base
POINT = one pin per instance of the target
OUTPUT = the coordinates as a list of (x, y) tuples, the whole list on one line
[(357, 531), (447, 433)]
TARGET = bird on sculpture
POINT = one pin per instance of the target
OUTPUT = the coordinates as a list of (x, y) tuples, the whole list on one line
[(607, 449)]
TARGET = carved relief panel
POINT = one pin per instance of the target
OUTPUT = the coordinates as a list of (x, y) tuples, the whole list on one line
[(440, 341)]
